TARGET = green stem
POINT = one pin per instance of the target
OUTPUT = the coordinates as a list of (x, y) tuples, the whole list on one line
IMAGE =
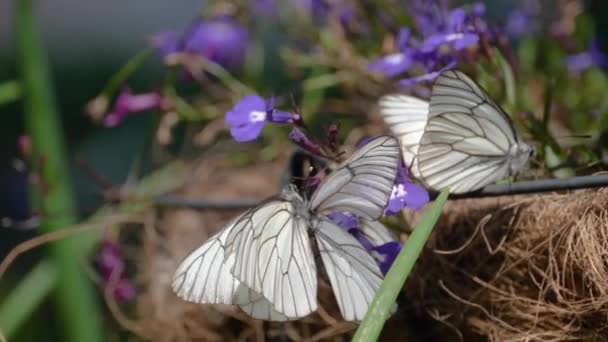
[(380, 309), (75, 302), (122, 75), (18, 306)]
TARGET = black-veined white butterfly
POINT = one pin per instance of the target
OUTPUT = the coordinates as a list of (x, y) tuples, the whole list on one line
[(461, 139), (263, 261)]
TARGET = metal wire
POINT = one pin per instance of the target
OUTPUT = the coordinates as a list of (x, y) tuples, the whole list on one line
[(537, 186)]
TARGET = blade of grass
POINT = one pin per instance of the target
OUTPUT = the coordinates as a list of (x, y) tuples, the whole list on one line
[(75, 302), (18, 306), (379, 310)]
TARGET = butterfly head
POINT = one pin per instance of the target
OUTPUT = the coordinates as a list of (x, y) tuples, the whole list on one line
[(520, 154)]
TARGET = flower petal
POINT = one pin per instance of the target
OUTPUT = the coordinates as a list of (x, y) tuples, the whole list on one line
[(240, 114), (386, 254), (391, 65), (416, 196)]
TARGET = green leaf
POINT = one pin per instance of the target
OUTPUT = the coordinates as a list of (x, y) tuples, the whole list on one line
[(10, 91), (379, 310), (18, 306)]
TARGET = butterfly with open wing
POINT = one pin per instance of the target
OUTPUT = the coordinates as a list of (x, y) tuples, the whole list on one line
[(460, 139), (263, 261)]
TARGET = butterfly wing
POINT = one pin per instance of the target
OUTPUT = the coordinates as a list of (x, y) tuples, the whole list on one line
[(354, 275), (376, 232), (407, 117), (467, 138), (204, 277), (273, 257), (363, 184)]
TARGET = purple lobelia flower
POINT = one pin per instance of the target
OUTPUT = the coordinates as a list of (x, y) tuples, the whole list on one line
[(384, 253), (220, 39), (456, 32), (593, 57), (456, 29), (405, 194), (396, 63), (250, 114), (128, 103)]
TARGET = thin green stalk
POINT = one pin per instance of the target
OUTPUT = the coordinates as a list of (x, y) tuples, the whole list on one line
[(9, 91), (19, 305), (75, 302), (379, 310), (127, 70)]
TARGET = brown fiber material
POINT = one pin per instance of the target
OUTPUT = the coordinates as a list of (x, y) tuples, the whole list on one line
[(525, 268)]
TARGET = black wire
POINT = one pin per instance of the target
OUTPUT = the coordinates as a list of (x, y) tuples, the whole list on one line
[(537, 186)]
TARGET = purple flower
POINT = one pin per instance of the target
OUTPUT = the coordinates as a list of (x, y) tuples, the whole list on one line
[(248, 117), (522, 21), (593, 57), (220, 39), (166, 43), (299, 138), (111, 267), (440, 27), (405, 193), (385, 254), (431, 76), (392, 65), (128, 103), (459, 33), (345, 220)]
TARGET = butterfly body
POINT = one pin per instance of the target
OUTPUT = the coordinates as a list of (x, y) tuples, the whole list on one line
[(263, 261), (459, 139)]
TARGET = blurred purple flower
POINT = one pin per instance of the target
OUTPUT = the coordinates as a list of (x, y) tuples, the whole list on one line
[(220, 39), (128, 103), (457, 32), (111, 267), (458, 29), (166, 43), (593, 57), (250, 114), (521, 22), (431, 76), (392, 65), (405, 193)]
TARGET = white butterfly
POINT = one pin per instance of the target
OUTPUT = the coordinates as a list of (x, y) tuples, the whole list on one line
[(461, 139), (263, 261)]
